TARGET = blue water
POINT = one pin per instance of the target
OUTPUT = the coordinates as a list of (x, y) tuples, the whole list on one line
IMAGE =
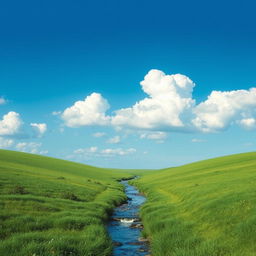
[(126, 238)]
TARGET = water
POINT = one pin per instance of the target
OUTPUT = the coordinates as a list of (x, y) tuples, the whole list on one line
[(126, 234)]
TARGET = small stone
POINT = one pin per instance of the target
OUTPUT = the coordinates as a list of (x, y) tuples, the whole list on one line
[(134, 243), (116, 219), (142, 250), (142, 239), (134, 225), (116, 243)]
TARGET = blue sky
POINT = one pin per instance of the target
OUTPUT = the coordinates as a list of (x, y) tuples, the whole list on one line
[(56, 53)]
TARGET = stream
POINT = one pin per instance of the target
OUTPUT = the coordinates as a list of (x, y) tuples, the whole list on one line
[(125, 226)]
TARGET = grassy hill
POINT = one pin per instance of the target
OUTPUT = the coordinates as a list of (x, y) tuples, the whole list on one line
[(206, 208), (55, 207)]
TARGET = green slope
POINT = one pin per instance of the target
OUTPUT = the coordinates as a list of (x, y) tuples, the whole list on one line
[(55, 207), (202, 209)]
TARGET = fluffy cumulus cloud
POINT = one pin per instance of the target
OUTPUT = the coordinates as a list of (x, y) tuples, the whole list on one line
[(31, 147), (222, 109), (39, 129), (169, 106), (10, 124), (90, 111)]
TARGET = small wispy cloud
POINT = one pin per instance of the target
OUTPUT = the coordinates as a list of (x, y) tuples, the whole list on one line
[(56, 113), (86, 150), (118, 151), (2, 101), (98, 134), (6, 143), (107, 152), (31, 147), (114, 140), (195, 140), (39, 128), (154, 135)]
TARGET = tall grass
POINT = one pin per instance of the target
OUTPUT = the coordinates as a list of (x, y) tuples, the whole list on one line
[(206, 208), (55, 207)]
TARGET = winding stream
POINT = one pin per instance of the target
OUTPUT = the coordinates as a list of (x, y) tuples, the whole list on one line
[(125, 225)]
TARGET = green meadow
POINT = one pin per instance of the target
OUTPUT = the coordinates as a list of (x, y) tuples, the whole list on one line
[(206, 208), (55, 207)]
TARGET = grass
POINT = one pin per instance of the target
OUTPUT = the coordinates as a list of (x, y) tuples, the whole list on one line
[(206, 208), (55, 207)]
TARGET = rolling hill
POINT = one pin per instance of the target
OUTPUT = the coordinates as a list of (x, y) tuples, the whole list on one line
[(207, 208), (55, 207)]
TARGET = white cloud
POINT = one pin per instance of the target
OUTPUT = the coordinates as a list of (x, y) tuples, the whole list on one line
[(86, 150), (195, 140), (91, 111), (154, 135), (118, 151), (169, 106), (56, 113), (31, 147), (114, 140), (99, 134), (2, 101), (94, 151), (40, 129), (43, 152), (10, 124), (6, 143), (248, 123), (222, 109)]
